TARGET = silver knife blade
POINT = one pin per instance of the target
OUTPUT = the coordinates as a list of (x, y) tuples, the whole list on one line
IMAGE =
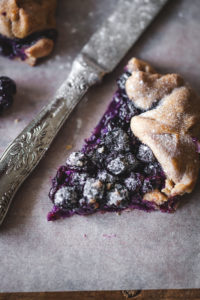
[(122, 29), (99, 56)]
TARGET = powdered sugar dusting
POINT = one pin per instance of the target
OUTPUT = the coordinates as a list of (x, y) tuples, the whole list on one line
[(167, 128)]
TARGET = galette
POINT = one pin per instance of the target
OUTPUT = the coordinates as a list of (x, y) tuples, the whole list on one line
[(143, 154)]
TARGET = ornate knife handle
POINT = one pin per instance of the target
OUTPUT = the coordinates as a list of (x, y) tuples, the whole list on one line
[(25, 152)]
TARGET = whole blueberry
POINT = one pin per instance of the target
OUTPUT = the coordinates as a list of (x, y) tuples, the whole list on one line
[(145, 154), (97, 155), (5, 101), (66, 197), (7, 85), (132, 162), (117, 195), (134, 182), (148, 186), (121, 163), (79, 179), (106, 177), (7, 89), (77, 161), (117, 140), (153, 168), (117, 165), (93, 190)]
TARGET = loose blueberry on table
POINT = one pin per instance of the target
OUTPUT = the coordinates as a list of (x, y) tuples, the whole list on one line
[(7, 90), (141, 153)]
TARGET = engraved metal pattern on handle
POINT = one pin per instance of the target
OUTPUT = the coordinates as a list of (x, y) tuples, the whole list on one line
[(25, 152)]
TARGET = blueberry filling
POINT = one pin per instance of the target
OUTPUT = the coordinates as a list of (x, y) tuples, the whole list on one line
[(113, 171), (15, 48), (7, 90)]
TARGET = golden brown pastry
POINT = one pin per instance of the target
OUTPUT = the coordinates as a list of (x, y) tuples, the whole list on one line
[(169, 125), (20, 19)]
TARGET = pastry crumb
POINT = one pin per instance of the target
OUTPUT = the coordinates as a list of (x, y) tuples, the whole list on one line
[(155, 196), (68, 147)]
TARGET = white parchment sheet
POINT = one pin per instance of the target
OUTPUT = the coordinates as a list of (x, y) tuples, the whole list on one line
[(136, 250)]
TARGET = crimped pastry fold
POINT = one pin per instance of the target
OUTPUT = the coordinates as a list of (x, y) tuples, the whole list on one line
[(169, 126)]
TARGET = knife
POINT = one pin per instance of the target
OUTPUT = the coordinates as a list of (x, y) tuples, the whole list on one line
[(99, 56)]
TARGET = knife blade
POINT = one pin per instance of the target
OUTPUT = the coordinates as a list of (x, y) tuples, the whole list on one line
[(99, 56)]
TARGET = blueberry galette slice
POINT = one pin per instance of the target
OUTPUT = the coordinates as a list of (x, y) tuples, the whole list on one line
[(143, 154), (27, 29)]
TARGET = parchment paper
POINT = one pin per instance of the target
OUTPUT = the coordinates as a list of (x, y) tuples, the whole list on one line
[(136, 250)]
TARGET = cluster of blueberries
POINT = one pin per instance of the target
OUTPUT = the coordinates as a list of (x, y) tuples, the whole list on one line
[(113, 167), (107, 175)]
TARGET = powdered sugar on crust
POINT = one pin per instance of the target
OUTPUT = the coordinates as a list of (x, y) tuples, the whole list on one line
[(169, 128), (147, 89), (18, 19)]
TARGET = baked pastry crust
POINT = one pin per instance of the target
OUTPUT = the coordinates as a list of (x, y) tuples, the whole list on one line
[(41, 48), (21, 18), (171, 127)]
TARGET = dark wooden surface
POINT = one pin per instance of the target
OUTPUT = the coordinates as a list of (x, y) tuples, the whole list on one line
[(193, 294)]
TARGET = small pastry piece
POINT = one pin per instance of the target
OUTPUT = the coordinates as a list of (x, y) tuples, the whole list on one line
[(27, 29), (142, 154)]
